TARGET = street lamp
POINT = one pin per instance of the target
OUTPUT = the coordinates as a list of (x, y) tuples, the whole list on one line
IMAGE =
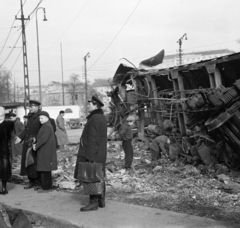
[(180, 47), (39, 73)]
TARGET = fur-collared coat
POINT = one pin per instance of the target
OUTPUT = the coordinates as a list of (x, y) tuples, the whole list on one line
[(46, 148), (31, 130), (93, 142)]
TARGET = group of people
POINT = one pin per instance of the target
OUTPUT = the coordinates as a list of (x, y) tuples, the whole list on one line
[(35, 141), (39, 156)]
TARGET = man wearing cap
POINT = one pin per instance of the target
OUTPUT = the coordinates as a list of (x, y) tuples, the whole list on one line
[(61, 133), (18, 128), (93, 147), (126, 135), (30, 132), (45, 146)]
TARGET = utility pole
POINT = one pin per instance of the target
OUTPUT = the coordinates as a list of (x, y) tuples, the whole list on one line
[(180, 47), (8, 87), (62, 73), (25, 62), (86, 85)]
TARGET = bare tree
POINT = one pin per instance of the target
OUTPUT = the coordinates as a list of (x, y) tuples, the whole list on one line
[(5, 86), (74, 87)]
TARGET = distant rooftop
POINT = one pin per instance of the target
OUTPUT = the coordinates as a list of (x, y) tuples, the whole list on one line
[(210, 52)]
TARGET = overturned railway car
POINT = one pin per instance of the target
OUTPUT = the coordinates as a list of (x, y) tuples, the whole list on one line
[(203, 95)]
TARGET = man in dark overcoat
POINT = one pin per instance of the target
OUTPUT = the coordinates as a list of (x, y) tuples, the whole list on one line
[(46, 151), (6, 128), (31, 131), (93, 147), (18, 128)]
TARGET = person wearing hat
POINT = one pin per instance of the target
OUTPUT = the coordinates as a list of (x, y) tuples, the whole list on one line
[(18, 128), (30, 132), (126, 136), (93, 147), (62, 138), (6, 129), (45, 146)]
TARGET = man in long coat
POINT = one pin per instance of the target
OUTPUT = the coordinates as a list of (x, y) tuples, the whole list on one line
[(93, 147), (61, 133), (30, 132), (6, 128), (18, 128), (46, 151)]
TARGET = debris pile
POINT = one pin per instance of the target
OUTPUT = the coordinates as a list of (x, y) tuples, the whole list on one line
[(204, 190)]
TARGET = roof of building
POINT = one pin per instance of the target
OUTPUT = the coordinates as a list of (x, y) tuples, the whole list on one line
[(209, 52)]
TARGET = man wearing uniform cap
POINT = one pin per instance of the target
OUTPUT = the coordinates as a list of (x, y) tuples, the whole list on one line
[(93, 148), (126, 135), (45, 147), (30, 132)]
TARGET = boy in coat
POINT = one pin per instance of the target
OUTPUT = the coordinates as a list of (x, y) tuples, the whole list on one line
[(46, 151), (126, 136), (93, 147)]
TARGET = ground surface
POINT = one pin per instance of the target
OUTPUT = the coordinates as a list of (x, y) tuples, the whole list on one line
[(170, 186)]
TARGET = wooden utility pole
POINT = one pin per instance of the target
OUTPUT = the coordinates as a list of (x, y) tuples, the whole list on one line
[(62, 73), (86, 85), (25, 62)]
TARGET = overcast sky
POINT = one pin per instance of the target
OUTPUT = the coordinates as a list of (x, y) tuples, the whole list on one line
[(110, 30)]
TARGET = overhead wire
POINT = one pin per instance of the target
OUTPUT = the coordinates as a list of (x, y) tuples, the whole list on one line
[(115, 35), (67, 27), (10, 30)]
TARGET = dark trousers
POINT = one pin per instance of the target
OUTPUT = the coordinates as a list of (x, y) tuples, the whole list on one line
[(128, 150), (46, 179)]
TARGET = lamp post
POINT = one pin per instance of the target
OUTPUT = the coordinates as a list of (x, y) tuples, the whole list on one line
[(39, 71), (180, 47)]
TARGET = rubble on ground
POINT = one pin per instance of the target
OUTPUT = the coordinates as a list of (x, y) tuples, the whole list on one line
[(172, 182)]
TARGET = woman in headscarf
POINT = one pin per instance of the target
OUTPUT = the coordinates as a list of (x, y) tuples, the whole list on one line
[(6, 128)]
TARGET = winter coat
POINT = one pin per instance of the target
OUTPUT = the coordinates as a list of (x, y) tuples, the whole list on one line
[(18, 128), (93, 142), (6, 128), (125, 132), (46, 148), (31, 130), (61, 131), (54, 129)]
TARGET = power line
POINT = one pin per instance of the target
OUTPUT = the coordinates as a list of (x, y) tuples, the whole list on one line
[(115, 35), (15, 61), (10, 30), (67, 28)]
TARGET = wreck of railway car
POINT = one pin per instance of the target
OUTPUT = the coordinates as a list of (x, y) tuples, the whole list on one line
[(204, 95)]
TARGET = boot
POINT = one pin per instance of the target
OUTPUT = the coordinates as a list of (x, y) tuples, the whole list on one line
[(4, 188), (93, 204)]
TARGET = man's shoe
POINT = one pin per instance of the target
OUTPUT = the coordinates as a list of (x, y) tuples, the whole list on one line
[(101, 203), (4, 192), (89, 207), (30, 185)]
